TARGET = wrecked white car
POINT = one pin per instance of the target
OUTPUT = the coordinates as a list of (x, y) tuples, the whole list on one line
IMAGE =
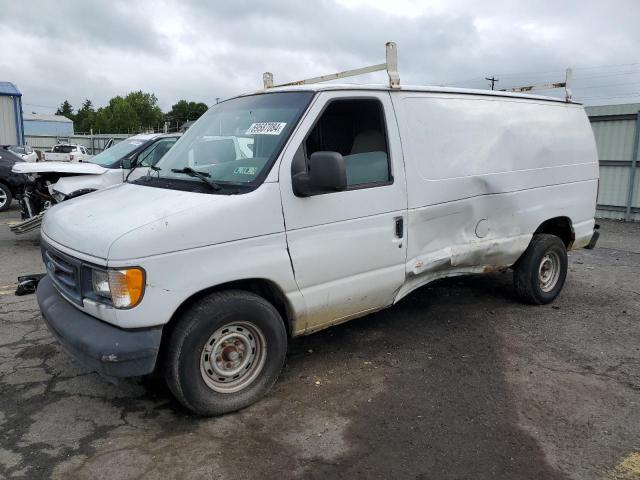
[(49, 183)]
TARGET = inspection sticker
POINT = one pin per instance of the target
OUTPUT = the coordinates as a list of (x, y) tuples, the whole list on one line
[(245, 170), (266, 128)]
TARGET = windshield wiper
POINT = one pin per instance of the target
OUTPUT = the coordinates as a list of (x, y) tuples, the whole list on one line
[(151, 167), (204, 176)]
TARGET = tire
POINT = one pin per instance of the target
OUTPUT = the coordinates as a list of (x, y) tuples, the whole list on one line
[(223, 336), (5, 197), (540, 273)]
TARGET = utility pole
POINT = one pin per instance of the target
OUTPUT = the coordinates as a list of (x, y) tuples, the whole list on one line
[(493, 81)]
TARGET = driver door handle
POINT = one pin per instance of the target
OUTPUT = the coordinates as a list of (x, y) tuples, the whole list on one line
[(399, 227)]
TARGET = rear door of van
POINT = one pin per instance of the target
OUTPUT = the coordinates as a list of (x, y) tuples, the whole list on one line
[(348, 248)]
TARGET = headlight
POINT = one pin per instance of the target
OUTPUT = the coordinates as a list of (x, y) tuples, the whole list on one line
[(100, 282), (124, 287)]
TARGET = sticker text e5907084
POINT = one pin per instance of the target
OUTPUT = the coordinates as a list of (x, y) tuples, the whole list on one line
[(245, 170), (266, 128)]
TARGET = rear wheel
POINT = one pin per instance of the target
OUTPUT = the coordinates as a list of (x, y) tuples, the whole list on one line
[(225, 353), (5, 197), (540, 273)]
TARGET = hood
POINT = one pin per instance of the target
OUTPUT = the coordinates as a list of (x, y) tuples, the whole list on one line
[(58, 167), (131, 221), (7, 159)]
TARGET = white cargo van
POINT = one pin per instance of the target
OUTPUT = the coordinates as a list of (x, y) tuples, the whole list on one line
[(351, 198)]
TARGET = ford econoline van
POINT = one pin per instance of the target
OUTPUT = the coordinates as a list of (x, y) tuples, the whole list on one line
[(342, 200)]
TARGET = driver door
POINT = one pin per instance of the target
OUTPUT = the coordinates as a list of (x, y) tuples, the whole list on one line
[(348, 248)]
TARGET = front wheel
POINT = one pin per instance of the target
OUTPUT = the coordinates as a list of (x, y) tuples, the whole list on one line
[(5, 197), (540, 272), (225, 353)]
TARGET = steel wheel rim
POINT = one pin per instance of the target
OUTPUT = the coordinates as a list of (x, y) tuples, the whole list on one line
[(549, 271), (3, 197), (233, 357)]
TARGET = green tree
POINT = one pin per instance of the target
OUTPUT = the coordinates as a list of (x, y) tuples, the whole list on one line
[(117, 117), (184, 111), (66, 110), (134, 113), (145, 106), (85, 117), (102, 121)]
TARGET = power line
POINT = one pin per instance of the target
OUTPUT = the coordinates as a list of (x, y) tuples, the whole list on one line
[(612, 74), (549, 72), (608, 66), (560, 72), (589, 87), (629, 94), (606, 85)]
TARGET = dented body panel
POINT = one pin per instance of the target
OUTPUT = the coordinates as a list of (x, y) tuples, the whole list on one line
[(483, 173), (474, 175)]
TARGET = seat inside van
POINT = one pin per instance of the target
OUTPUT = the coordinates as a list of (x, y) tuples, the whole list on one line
[(214, 151), (354, 128)]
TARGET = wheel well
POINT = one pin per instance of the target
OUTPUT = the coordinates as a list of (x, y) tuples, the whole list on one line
[(560, 227), (260, 286)]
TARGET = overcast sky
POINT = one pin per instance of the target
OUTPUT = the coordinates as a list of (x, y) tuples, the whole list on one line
[(199, 49)]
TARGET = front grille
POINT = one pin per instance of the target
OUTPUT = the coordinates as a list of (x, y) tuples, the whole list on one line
[(64, 271)]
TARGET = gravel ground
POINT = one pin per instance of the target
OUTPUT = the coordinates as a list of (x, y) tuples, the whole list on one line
[(458, 381)]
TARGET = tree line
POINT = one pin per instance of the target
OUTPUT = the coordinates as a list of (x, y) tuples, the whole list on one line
[(134, 113)]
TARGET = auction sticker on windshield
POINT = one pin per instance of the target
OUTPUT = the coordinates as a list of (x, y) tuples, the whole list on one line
[(245, 170), (266, 128)]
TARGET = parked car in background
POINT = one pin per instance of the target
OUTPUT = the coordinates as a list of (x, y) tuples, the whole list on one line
[(65, 152), (48, 183), (25, 152), (11, 184)]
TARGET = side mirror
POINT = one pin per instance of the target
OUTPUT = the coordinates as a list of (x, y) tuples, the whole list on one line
[(128, 163), (326, 173)]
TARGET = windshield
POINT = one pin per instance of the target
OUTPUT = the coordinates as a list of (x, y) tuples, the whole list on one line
[(236, 141), (19, 149), (116, 153), (64, 149)]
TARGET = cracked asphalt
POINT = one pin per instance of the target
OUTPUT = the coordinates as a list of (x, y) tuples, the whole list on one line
[(458, 381)]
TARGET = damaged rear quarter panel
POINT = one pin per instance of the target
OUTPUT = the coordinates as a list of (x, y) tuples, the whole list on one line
[(483, 173)]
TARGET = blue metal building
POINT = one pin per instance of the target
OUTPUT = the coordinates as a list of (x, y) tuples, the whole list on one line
[(11, 125)]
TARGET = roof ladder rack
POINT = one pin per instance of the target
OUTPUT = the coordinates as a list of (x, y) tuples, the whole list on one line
[(568, 80), (391, 66)]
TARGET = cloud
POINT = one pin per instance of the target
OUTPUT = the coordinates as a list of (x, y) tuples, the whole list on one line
[(200, 50)]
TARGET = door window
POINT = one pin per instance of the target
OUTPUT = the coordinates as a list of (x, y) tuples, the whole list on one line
[(152, 154), (355, 128)]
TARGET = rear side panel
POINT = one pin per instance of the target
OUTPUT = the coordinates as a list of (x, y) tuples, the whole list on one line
[(483, 173)]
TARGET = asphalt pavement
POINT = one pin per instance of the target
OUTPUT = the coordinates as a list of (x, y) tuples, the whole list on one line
[(457, 381)]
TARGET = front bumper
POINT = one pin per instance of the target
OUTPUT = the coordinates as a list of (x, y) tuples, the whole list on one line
[(104, 348)]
